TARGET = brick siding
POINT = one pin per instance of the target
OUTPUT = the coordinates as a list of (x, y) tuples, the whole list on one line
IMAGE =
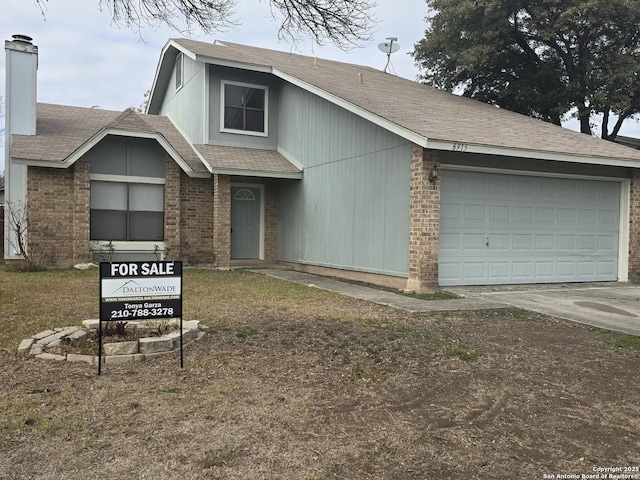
[(50, 211), (424, 222), (172, 211), (222, 220), (82, 210), (196, 220), (59, 204), (270, 223)]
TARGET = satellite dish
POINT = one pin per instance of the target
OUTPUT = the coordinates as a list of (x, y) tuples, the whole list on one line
[(389, 47)]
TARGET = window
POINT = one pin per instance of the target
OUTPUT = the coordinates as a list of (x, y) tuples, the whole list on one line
[(244, 108), (127, 211), (179, 70), (127, 190), (244, 194)]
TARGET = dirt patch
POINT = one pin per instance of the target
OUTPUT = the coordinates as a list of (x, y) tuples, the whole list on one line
[(317, 386)]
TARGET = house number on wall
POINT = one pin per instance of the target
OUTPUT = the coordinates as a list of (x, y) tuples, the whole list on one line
[(460, 147)]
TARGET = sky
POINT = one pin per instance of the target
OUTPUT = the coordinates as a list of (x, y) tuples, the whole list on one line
[(85, 60)]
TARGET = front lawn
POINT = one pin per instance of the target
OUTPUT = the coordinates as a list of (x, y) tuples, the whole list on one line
[(293, 382)]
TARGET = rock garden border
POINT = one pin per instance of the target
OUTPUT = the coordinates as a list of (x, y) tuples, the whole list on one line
[(112, 353)]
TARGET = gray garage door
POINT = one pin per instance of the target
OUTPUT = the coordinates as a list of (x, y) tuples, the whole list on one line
[(502, 229)]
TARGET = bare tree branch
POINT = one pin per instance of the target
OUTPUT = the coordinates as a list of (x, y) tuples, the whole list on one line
[(345, 23)]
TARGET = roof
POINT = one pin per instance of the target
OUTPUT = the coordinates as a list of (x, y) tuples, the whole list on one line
[(628, 141), (64, 133), (431, 118), (247, 161)]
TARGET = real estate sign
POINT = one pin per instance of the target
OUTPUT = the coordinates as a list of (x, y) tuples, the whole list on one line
[(140, 290)]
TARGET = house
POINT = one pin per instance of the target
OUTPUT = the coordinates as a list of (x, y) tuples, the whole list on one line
[(328, 167)]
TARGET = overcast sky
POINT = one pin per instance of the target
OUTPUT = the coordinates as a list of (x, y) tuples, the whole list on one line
[(85, 60)]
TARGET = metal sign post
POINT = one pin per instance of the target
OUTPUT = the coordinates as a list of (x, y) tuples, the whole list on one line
[(139, 291)]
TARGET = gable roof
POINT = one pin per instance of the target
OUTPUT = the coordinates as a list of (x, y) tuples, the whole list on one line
[(431, 118), (65, 133)]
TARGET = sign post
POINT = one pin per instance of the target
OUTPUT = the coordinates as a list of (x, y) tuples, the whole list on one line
[(139, 291)]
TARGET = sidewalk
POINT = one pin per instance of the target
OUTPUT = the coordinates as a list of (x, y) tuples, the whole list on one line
[(381, 297)]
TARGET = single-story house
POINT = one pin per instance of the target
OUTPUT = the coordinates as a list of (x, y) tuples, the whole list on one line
[(249, 154)]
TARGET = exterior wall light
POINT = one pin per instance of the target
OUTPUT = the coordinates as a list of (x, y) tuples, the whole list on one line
[(434, 174)]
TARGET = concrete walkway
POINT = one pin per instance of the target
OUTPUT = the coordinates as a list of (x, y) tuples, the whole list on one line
[(610, 305), (378, 296)]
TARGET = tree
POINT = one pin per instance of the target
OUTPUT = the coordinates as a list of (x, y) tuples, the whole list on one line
[(543, 58), (346, 23)]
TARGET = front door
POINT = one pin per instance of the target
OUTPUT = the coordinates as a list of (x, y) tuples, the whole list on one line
[(245, 222)]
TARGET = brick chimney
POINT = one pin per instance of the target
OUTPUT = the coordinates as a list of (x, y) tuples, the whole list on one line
[(20, 119)]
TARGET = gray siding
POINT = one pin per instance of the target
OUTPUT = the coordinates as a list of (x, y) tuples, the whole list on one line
[(351, 210), (216, 75), (186, 106)]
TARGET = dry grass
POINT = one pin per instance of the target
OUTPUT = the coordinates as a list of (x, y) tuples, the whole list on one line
[(292, 382)]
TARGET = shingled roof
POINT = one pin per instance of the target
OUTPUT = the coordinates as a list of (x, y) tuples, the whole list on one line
[(247, 161), (64, 132), (429, 117)]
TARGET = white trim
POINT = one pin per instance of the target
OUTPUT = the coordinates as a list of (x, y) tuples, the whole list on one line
[(98, 137), (128, 246), (161, 63), (103, 177), (623, 235), (290, 158), (261, 187), (525, 153), (256, 173), (265, 133), (361, 112)]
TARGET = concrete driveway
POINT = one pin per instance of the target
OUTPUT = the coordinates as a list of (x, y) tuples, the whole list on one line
[(615, 306)]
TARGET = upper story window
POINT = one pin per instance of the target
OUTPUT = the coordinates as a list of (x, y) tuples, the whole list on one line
[(244, 108), (179, 70)]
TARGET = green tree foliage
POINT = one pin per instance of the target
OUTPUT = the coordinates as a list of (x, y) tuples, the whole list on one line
[(542, 58)]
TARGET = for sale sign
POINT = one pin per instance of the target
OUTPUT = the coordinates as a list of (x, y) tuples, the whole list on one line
[(140, 290)]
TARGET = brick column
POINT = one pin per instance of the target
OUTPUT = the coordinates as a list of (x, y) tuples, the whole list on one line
[(634, 227), (270, 223), (222, 220), (81, 210), (172, 212), (424, 222)]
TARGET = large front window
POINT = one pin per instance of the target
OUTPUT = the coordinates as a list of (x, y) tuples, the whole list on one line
[(127, 211), (244, 108), (127, 191)]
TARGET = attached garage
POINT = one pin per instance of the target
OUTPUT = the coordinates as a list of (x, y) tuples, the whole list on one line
[(510, 228)]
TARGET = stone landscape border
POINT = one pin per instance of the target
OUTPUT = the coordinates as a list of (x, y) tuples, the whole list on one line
[(117, 352)]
